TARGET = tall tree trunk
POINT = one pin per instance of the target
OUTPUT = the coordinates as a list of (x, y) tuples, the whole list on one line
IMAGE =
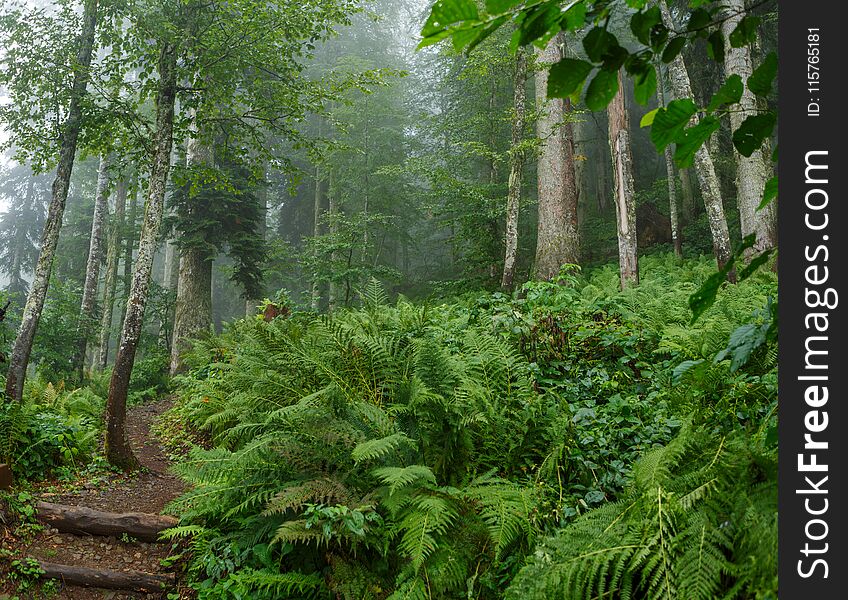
[(516, 168), (193, 311), (116, 227), (625, 200), (129, 245), (118, 451), (671, 174), (332, 213), (753, 171), (690, 208), (19, 357), (558, 239), (250, 304), (317, 212), (95, 256), (704, 167)]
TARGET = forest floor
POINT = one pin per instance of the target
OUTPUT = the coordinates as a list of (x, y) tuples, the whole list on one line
[(147, 491)]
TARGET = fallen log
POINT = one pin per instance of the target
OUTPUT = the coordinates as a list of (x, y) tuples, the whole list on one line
[(80, 519), (103, 578)]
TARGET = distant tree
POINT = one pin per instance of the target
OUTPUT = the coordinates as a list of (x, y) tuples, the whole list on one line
[(25, 194)]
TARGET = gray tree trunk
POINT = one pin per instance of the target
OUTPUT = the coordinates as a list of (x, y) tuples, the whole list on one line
[(625, 199), (704, 167), (95, 256), (671, 174), (558, 240), (113, 243), (21, 349), (250, 304), (752, 172), (317, 212), (516, 168), (118, 451), (193, 311)]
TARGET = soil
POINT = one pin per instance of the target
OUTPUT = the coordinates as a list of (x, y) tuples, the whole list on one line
[(148, 491)]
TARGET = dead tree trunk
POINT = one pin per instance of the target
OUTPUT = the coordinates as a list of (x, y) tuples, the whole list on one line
[(118, 451), (104, 578), (83, 520), (625, 201), (753, 171), (704, 167), (516, 168), (19, 357)]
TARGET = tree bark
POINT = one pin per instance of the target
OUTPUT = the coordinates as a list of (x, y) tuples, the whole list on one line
[(250, 304), (690, 208), (95, 256), (625, 200), (558, 241), (516, 168), (19, 357), (113, 243), (317, 212), (84, 520), (704, 167), (752, 172), (118, 451), (193, 311), (129, 245), (105, 578), (671, 174)]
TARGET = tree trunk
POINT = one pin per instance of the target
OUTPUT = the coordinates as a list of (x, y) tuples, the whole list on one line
[(118, 451), (87, 521), (516, 168), (625, 200), (95, 256), (753, 171), (105, 578), (671, 174), (690, 208), (19, 357), (317, 212), (129, 245), (250, 304), (193, 311), (704, 167), (332, 212), (113, 243), (558, 240)]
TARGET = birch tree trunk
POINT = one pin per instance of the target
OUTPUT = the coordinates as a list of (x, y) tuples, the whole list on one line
[(704, 167), (558, 239), (516, 168), (129, 245), (193, 311), (95, 256), (671, 174), (118, 451), (113, 243), (753, 171), (625, 200), (21, 349), (332, 212)]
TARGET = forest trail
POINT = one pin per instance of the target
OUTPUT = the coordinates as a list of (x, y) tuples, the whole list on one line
[(146, 492)]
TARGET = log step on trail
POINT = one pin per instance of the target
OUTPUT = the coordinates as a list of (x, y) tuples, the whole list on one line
[(137, 581), (79, 519)]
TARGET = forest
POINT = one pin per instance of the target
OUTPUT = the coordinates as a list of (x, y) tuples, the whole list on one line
[(388, 299)]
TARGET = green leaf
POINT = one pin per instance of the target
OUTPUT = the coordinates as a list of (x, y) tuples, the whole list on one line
[(645, 85), (715, 46), (729, 93), (449, 12), (745, 32), (673, 48), (567, 76), (574, 18), (648, 118), (641, 24), (496, 7), (598, 43), (602, 90), (670, 121), (693, 138), (542, 20), (752, 132), (761, 79), (705, 296), (769, 193), (698, 20)]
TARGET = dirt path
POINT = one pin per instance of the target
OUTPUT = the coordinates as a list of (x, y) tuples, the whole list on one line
[(148, 492)]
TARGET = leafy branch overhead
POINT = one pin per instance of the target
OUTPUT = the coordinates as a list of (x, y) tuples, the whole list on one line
[(593, 77)]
